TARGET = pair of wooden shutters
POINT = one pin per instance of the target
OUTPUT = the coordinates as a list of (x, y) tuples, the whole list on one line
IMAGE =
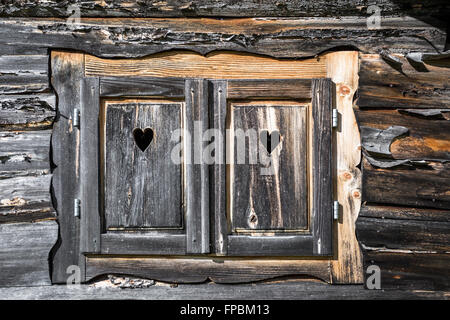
[(195, 166)]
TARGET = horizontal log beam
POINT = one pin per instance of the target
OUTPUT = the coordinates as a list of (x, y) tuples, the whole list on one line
[(274, 37), (404, 213)]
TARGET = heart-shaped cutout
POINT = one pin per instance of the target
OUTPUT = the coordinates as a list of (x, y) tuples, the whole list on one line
[(270, 140), (143, 138)]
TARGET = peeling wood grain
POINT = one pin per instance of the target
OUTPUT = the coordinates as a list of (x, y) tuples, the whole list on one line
[(381, 86), (220, 8), (27, 112), (24, 251), (378, 142), (273, 37), (23, 73), (427, 138)]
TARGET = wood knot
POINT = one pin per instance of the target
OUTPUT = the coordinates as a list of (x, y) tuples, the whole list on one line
[(356, 194), (346, 176), (344, 90)]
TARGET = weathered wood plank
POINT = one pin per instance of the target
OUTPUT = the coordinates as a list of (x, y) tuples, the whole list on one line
[(143, 188), (418, 271), (221, 8), (26, 195), (140, 244), (67, 70), (404, 213), (382, 86), (295, 89), (404, 234), (418, 187), (420, 141), (269, 183), (24, 252), (23, 73), (140, 86), (198, 269), (277, 38), (23, 150), (27, 112), (277, 245), (279, 290)]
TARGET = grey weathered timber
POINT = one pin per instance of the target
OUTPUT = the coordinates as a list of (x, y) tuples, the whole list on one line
[(279, 38), (141, 244), (145, 86), (286, 290), (27, 112), (221, 8), (23, 73), (143, 188), (404, 234), (323, 91), (197, 171), (425, 186), (24, 252), (218, 195), (246, 89), (89, 166), (404, 213), (66, 80), (413, 270), (378, 142), (270, 186), (278, 245)]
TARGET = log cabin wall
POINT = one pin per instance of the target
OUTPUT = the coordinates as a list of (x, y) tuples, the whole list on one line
[(401, 108)]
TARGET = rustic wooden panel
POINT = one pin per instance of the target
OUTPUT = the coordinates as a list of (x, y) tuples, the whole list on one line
[(143, 188), (27, 112), (419, 187), (418, 271), (141, 244), (269, 183), (422, 140), (198, 269), (296, 89), (271, 246), (217, 65), (23, 74), (402, 213), (274, 37), (139, 86), (67, 70), (222, 8), (404, 234), (383, 86), (24, 252)]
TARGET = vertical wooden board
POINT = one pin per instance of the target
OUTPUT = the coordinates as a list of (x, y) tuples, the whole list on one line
[(218, 196), (197, 172), (269, 184), (322, 103), (67, 71), (143, 188), (89, 166), (347, 267)]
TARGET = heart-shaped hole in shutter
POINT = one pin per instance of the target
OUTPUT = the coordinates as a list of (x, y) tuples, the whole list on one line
[(270, 140), (143, 138)]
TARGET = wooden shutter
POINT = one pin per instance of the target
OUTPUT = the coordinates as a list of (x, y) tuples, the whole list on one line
[(135, 199), (287, 212)]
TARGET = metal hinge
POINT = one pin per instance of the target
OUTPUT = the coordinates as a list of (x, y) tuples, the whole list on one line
[(76, 118), (336, 210), (335, 118), (76, 207)]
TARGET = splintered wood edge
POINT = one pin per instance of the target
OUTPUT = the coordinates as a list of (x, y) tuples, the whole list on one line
[(342, 67)]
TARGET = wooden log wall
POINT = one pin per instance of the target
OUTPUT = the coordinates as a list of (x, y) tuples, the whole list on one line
[(402, 110)]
